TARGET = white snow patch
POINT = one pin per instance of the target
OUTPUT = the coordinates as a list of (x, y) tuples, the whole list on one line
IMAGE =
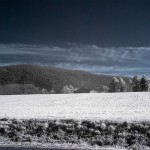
[(101, 106)]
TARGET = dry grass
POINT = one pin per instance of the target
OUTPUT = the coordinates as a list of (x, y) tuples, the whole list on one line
[(100, 133)]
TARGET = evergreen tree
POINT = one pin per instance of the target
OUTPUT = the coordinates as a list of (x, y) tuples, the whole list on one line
[(144, 84), (136, 84)]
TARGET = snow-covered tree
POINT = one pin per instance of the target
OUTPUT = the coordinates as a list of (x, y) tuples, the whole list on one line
[(44, 91), (72, 89), (136, 84), (129, 85), (104, 89), (114, 86), (52, 91), (93, 91), (122, 85), (65, 90), (68, 89), (144, 84)]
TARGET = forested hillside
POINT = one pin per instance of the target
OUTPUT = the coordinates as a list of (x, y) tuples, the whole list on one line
[(50, 78)]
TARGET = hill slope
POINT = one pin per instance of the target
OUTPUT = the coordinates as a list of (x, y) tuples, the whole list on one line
[(52, 78)]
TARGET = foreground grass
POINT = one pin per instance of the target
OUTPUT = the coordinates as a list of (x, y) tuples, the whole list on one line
[(100, 133)]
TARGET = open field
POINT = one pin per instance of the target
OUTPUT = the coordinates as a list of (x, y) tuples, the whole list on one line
[(112, 106), (78, 120)]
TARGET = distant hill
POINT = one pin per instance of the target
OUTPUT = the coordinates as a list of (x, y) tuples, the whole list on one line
[(52, 78)]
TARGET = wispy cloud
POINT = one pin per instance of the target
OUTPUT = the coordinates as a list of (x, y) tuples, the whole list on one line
[(125, 61)]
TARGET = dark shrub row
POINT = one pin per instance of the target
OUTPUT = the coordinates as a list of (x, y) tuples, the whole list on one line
[(72, 131)]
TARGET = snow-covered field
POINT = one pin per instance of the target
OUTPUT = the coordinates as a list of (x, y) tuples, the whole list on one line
[(107, 106)]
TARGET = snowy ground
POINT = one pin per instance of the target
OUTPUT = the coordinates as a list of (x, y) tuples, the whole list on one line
[(112, 106)]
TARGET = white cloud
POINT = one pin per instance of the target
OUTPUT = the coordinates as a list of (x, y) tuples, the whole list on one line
[(108, 60)]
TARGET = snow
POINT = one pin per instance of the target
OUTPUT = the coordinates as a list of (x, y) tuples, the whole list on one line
[(95, 106)]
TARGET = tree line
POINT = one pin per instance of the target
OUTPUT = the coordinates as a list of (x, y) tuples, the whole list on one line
[(136, 84)]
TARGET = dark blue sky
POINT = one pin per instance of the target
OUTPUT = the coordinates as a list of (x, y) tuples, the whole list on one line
[(100, 36)]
